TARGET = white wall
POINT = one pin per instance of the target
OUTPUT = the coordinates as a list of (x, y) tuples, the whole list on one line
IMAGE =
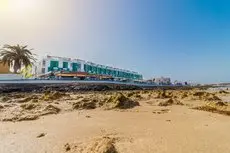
[(10, 76)]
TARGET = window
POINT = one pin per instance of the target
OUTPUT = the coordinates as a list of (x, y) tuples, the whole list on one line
[(65, 64), (54, 64), (76, 67), (94, 69), (88, 68), (43, 62), (99, 70), (103, 71), (43, 70)]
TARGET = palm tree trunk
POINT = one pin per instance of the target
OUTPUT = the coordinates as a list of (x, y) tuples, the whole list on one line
[(15, 69), (17, 66)]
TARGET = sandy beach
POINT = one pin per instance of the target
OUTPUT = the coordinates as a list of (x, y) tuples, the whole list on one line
[(171, 121), (114, 76)]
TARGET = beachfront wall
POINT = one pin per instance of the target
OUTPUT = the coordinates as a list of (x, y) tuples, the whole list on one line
[(53, 63)]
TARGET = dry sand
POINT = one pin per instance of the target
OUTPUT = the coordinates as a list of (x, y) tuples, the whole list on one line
[(115, 122)]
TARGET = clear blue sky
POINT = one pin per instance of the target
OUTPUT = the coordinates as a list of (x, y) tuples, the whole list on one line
[(181, 39)]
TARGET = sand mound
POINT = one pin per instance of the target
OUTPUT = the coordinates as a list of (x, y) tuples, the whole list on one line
[(211, 97), (27, 99), (199, 93), (137, 96), (130, 94), (213, 109), (4, 99), (27, 117), (49, 96), (97, 145), (223, 92), (18, 95), (220, 103), (170, 102), (50, 109), (23, 117), (162, 95), (183, 95), (134, 95), (1, 107), (101, 145), (206, 96), (117, 100), (120, 101), (29, 111), (85, 103), (29, 106)]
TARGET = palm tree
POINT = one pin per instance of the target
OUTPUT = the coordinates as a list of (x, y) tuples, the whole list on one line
[(17, 56)]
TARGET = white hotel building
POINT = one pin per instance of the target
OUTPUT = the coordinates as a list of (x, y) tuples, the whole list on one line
[(54, 63)]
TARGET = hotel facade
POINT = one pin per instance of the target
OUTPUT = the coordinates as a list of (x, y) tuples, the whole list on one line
[(54, 63)]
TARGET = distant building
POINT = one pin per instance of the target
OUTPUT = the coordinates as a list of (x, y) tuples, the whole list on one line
[(162, 81), (54, 64), (182, 83)]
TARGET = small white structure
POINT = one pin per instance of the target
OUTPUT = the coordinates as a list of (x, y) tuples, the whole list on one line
[(162, 81)]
